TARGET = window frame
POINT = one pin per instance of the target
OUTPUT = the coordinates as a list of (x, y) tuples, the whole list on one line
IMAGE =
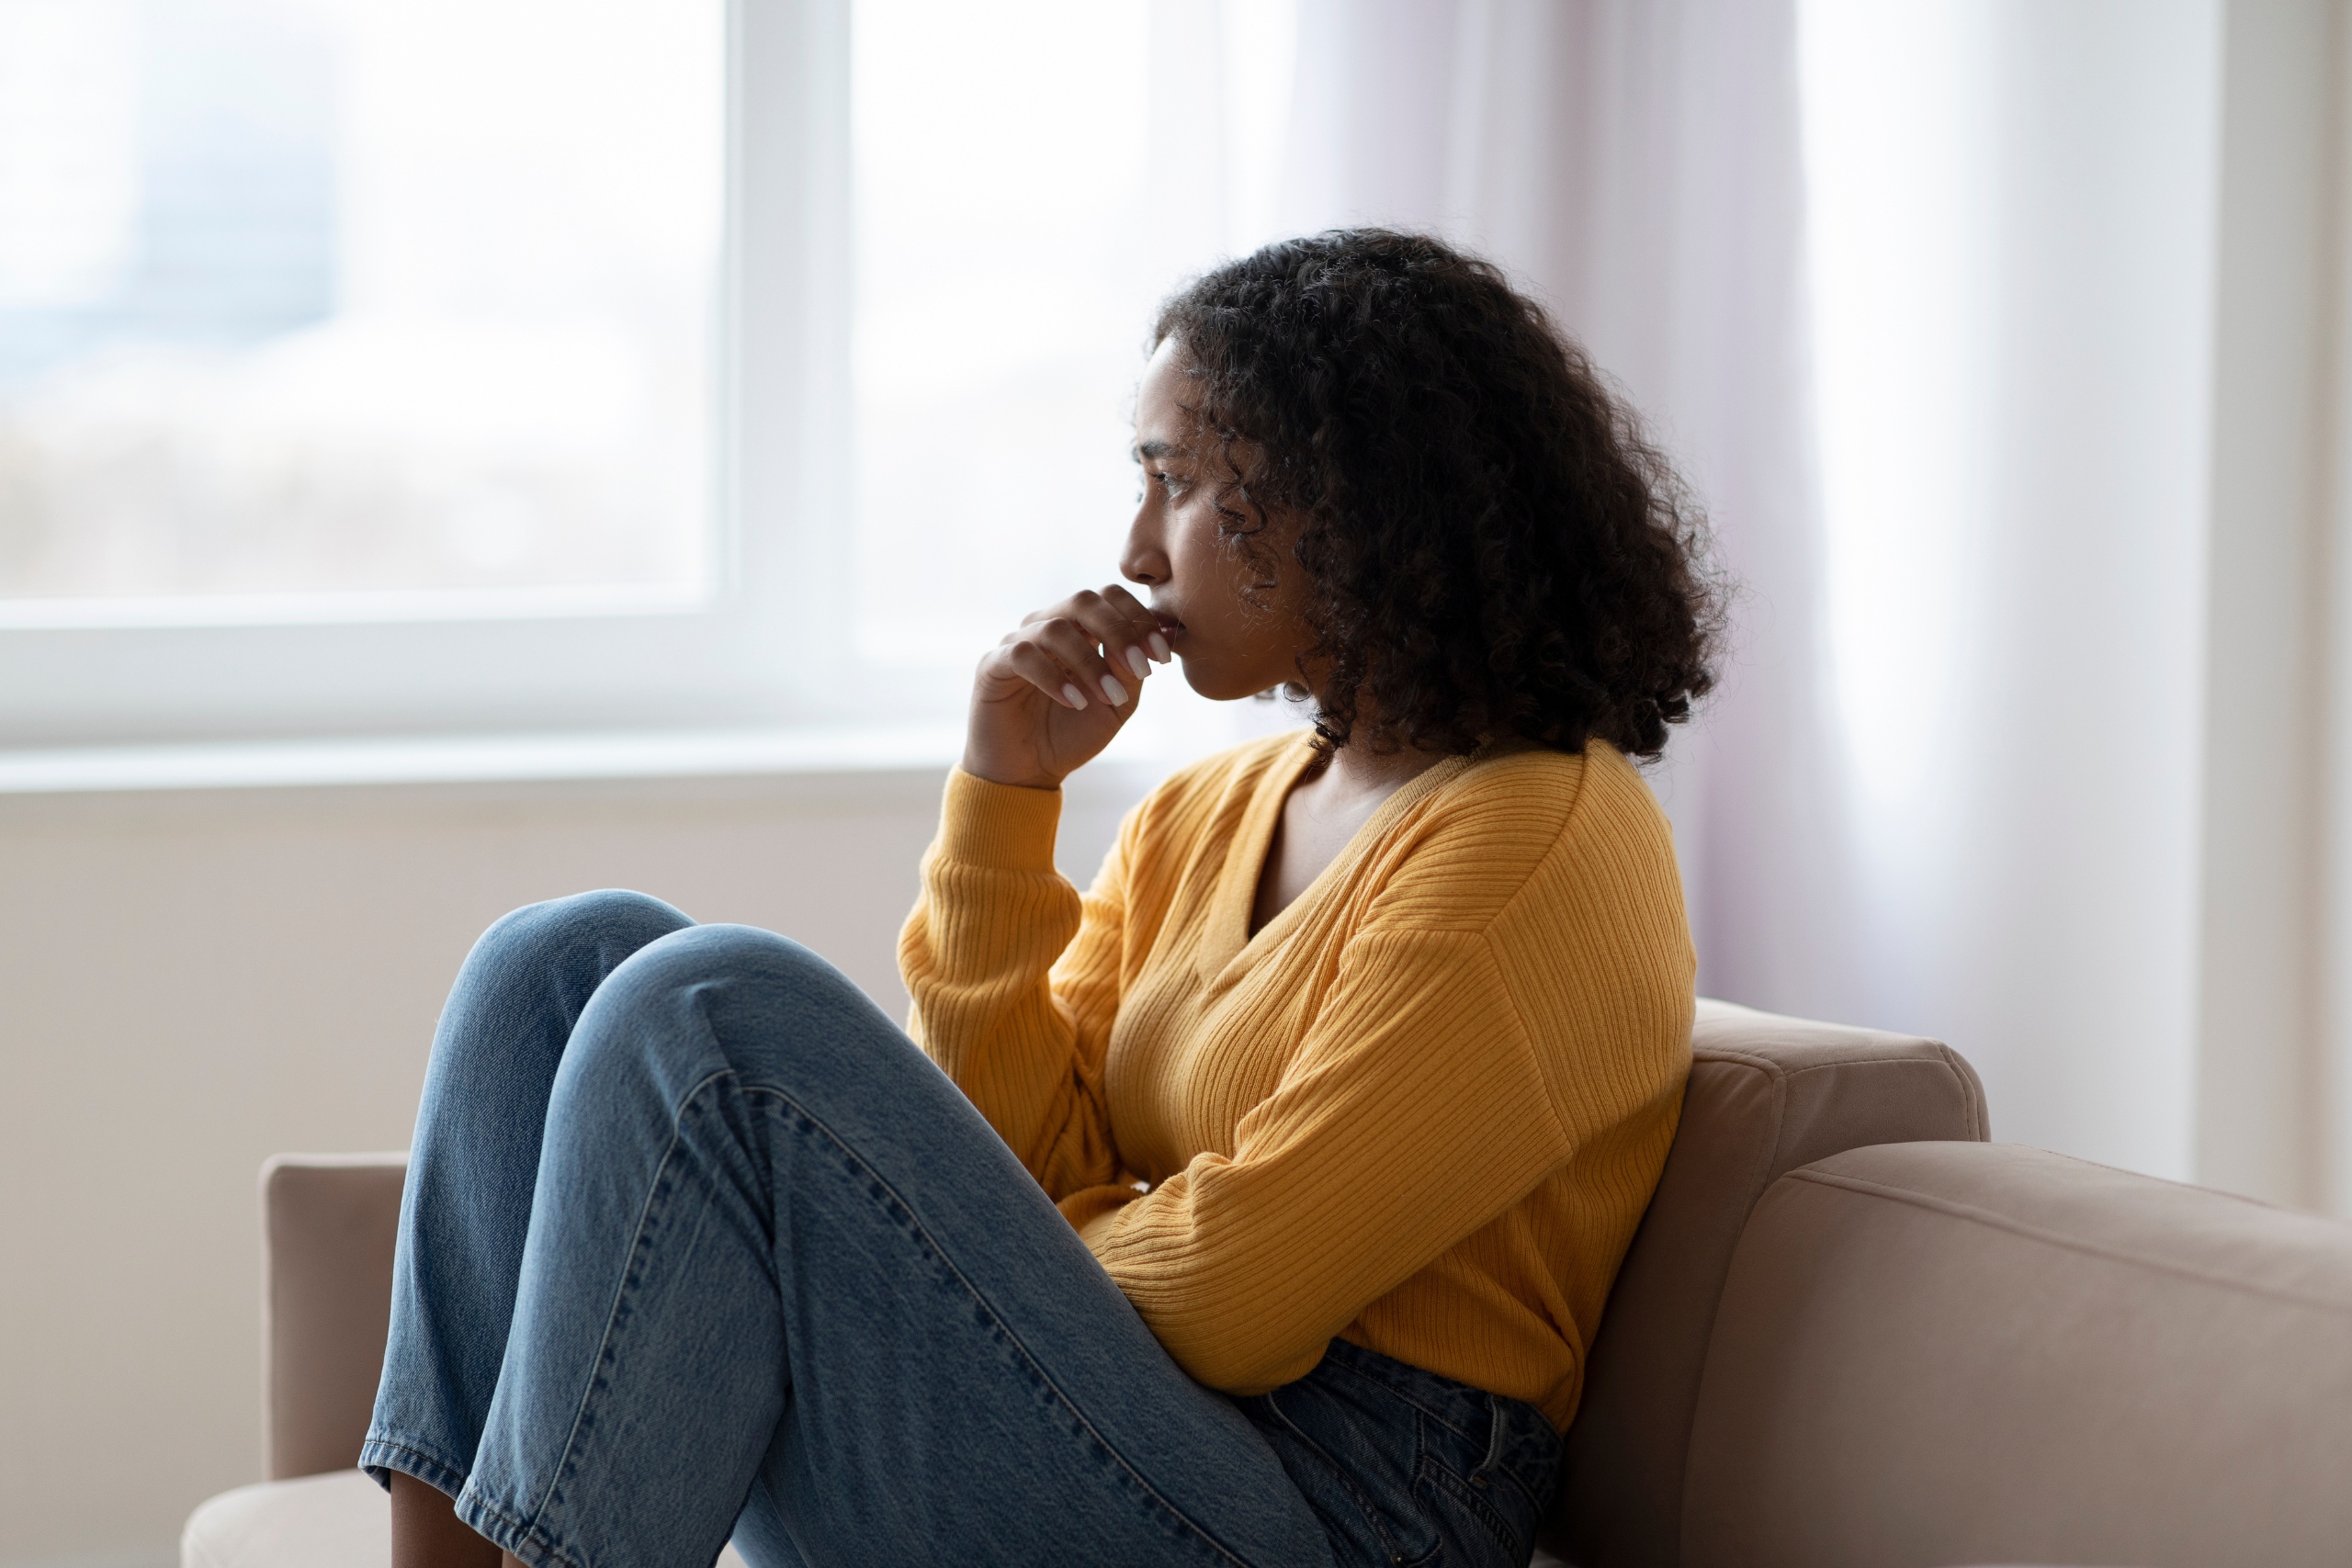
[(767, 646)]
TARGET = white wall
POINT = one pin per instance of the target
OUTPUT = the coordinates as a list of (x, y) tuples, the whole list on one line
[(191, 981)]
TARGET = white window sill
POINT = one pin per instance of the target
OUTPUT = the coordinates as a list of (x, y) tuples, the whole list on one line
[(478, 760), (863, 767)]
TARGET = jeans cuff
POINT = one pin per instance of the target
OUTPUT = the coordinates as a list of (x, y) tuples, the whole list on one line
[(510, 1535), (380, 1455)]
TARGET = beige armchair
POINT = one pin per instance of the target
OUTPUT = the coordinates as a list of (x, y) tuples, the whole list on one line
[(1849, 1332)]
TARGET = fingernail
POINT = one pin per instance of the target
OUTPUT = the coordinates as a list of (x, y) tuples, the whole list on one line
[(1160, 648), (1138, 663), (1076, 698), (1113, 690)]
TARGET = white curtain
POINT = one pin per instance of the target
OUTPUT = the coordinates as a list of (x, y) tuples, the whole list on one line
[(1925, 301), (1638, 164)]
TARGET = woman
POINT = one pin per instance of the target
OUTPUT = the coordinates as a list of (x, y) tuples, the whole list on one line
[(1270, 1192)]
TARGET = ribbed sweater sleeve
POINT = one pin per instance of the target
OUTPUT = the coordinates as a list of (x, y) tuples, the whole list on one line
[(978, 957)]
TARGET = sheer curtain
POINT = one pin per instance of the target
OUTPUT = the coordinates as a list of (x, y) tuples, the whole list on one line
[(1639, 166), (1936, 308)]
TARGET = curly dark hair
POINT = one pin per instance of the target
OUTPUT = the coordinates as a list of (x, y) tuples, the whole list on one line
[(1493, 547)]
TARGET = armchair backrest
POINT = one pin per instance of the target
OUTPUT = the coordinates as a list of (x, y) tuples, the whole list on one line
[(1767, 1094), (328, 1229)]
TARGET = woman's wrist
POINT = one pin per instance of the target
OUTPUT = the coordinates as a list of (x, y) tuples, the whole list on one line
[(986, 823), (995, 772)]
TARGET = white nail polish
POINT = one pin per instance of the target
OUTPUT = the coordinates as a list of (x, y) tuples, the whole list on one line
[(1113, 691), (1137, 663), (1160, 648), (1076, 698)]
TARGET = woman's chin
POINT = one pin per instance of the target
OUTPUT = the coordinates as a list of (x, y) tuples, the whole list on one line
[(1218, 686), (1227, 680)]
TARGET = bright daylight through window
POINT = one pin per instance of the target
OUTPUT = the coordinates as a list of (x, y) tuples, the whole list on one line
[(1006, 276), (337, 297), (379, 367)]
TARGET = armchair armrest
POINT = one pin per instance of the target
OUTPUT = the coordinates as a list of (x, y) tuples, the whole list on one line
[(328, 1227)]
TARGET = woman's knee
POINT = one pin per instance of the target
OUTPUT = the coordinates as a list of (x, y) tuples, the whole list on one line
[(761, 999), (603, 928), (722, 958), (510, 1015)]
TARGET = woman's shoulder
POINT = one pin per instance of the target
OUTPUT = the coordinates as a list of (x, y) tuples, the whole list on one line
[(1544, 792), (1523, 827), (1562, 867)]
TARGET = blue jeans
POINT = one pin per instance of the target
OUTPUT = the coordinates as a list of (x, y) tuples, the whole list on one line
[(696, 1243)]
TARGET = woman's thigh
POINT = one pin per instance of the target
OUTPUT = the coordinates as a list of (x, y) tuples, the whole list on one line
[(777, 1265)]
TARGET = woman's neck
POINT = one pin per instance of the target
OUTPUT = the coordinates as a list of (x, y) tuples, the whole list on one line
[(1358, 770)]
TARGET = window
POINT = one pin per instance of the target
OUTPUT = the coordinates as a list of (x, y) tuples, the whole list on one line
[(374, 366), (336, 298), (1007, 274)]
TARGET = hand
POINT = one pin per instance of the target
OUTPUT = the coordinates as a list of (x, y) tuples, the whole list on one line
[(1048, 697)]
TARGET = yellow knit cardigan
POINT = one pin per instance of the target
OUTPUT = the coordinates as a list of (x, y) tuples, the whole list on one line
[(1422, 1109)]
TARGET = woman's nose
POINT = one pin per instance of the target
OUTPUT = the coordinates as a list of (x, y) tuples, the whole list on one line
[(1142, 560)]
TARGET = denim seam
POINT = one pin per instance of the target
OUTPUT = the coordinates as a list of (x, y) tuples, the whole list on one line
[(443, 1469), (1499, 1461), (1346, 1479), (1466, 1496), (1539, 1497), (522, 1534), (1387, 1387), (1036, 1369), (612, 1317)]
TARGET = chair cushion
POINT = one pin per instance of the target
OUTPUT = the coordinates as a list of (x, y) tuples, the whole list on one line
[(1767, 1094), (1935, 1353), (338, 1520)]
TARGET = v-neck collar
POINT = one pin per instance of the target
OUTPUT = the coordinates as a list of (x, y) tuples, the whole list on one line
[(1229, 937)]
